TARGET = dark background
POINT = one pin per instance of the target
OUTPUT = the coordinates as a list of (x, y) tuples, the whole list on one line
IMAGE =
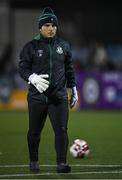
[(101, 20), (85, 24), (93, 28)]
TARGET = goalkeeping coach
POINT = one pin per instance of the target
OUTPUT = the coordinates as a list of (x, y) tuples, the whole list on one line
[(46, 64)]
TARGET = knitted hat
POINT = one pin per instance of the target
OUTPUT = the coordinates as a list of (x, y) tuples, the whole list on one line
[(47, 16)]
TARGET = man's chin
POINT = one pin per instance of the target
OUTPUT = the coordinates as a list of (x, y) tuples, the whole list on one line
[(50, 36)]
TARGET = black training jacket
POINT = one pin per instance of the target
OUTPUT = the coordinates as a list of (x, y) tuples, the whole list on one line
[(48, 56)]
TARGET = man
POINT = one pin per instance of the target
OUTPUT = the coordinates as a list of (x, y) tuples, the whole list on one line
[(46, 64)]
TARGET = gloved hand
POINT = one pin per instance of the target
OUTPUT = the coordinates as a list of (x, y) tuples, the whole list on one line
[(39, 81), (73, 97)]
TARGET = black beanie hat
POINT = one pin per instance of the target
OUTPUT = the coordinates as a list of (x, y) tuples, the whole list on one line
[(47, 16)]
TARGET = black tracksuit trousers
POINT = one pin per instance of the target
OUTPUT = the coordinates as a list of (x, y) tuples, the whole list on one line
[(58, 113)]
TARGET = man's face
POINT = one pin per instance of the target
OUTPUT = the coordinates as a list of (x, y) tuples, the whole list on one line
[(48, 30)]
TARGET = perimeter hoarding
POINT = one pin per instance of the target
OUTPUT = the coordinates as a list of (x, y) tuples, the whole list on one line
[(100, 90)]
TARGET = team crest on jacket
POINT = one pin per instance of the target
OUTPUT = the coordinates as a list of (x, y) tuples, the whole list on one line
[(40, 52), (59, 50)]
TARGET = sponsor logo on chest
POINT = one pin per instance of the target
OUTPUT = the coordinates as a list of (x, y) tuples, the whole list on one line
[(40, 52)]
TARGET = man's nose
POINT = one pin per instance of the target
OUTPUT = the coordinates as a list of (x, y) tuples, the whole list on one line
[(51, 27)]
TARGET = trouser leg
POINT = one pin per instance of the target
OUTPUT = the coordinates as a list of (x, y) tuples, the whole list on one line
[(58, 114), (37, 117)]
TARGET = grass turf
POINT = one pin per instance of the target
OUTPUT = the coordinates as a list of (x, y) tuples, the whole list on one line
[(101, 129)]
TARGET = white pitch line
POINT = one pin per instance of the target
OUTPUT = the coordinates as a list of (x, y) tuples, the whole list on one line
[(49, 174), (54, 165)]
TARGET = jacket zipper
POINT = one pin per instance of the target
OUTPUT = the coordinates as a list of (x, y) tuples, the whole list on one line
[(50, 63)]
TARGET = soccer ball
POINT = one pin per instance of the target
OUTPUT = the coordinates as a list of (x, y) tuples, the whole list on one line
[(79, 148)]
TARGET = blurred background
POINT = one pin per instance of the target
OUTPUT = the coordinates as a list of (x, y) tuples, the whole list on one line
[(94, 30)]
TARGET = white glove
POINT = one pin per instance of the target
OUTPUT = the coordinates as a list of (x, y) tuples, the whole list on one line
[(39, 81), (73, 97)]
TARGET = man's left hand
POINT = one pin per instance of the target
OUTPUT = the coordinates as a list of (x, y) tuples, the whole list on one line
[(73, 97)]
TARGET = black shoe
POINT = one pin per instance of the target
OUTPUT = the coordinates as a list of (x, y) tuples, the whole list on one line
[(63, 168), (34, 166)]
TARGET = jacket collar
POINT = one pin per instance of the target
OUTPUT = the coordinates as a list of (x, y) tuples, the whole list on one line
[(40, 37)]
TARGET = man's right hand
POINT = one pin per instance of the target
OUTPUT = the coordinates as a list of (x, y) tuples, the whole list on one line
[(39, 81)]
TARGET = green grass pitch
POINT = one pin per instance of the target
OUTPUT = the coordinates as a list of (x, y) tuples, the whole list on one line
[(101, 129)]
